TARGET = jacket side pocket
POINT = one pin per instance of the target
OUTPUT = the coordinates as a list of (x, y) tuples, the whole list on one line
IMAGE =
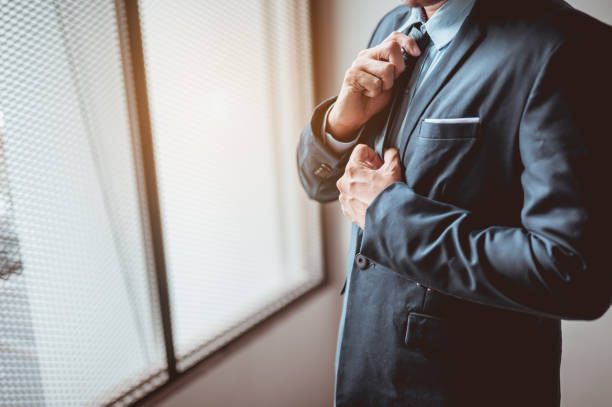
[(426, 332)]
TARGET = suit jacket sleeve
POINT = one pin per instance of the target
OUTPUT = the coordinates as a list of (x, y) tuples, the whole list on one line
[(319, 167), (556, 262)]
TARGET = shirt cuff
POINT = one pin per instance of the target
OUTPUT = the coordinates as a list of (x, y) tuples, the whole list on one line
[(335, 145)]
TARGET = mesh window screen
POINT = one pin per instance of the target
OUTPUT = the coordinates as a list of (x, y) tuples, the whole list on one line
[(230, 86), (78, 320)]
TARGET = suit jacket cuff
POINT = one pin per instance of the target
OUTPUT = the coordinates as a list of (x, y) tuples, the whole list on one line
[(337, 146), (316, 140)]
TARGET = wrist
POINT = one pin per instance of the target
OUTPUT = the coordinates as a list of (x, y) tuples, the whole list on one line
[(340, 131)]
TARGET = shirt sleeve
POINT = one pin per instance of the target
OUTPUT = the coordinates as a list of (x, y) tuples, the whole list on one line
[(337, 146)]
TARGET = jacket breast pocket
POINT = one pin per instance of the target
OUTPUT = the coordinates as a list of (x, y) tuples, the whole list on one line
[(449, 129), (440, 155)]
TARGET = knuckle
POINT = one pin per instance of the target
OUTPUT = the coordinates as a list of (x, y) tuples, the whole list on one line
[(389, 69), (359, 62), (358, 151), (362, 53), (359, 148), (343, 204), (393, 44)]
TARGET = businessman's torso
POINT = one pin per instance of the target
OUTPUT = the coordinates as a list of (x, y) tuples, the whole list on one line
[(404, 344)]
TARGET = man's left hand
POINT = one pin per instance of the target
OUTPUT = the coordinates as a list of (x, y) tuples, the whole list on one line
[(364, 178)]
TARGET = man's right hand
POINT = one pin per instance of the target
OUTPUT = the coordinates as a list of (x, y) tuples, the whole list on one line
[(368, 83)]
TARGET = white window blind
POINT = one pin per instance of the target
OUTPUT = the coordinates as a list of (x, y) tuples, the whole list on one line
[(78, 320), (81, 304), (230, 86)]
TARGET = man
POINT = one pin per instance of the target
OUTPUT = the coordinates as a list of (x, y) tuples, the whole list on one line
[(478, 195)]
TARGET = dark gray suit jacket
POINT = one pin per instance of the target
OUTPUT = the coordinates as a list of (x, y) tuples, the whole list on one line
[(501, 228)]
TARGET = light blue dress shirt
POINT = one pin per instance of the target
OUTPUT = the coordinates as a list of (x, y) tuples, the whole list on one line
[(442, 27)]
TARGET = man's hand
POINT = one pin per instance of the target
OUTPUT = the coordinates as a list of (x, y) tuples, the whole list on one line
[(364, 178), (367, 85)]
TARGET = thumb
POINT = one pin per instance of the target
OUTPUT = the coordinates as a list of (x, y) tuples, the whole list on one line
[(409, 45), (363, 154), (391, 156)]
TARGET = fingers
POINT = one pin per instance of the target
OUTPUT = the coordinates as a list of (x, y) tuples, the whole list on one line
[(353, 209), (396, 58), (392, 165), (359, 170), (391, 156), (408, 44), (361, 153), (391, 50), (360, 184), (375, 69), (385, 71), (388, 51), (364, 82), (364, 155)]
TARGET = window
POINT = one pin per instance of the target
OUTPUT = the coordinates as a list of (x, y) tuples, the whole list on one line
[(228, 87), (227, 99)]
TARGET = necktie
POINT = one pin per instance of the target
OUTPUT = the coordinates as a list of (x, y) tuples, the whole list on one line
[(418, 33), (401, 99)]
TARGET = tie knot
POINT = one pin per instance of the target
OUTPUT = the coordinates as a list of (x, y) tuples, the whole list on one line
[(418, 32)]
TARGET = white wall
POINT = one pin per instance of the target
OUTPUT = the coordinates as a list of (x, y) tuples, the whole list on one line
[(290, 361)]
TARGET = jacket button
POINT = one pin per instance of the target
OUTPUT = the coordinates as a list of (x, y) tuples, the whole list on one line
[(323, 171), (362, 262)]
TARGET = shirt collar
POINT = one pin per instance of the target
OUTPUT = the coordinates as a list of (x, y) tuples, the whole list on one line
[(444, 25)]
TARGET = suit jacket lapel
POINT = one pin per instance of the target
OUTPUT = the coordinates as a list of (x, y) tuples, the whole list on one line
[(463, 44)]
